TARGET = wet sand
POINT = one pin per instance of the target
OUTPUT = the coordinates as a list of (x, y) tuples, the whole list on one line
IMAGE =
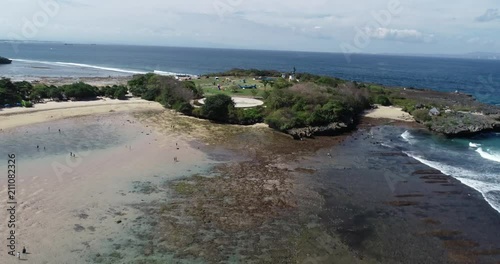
[(71, 208)]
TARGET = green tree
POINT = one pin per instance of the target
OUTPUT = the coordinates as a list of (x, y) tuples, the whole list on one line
[(120, 92), (54, 92), (382, 100), (218, 107), (265, 82), (8, 92), (24, 89), (80, 90), (197, 90), (139, 84)]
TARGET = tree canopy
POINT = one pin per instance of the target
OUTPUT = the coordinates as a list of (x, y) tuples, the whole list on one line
[(218, 107)]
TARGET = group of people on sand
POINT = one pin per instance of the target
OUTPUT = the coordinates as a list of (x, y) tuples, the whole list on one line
[(38, 146)]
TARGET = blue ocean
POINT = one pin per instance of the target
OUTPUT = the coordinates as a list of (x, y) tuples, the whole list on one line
[(475, 161)]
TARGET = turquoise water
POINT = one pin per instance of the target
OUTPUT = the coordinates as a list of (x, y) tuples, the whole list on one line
[(61, 137)]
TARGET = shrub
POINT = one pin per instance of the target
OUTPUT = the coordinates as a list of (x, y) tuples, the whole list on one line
[(197, 112), (382, 100), (184, 107), (151, 94), (408, 105), (421, 115), (217, 107), (80, 90), (249, 116), (26, 103), (234, 88), (120, 92), (282, 119)]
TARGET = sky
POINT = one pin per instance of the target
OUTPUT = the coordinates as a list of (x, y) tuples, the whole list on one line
[(366, 26)]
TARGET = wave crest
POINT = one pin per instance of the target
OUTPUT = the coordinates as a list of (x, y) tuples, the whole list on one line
[(489, 155), (466, 177), (408, 137), (70, 64)]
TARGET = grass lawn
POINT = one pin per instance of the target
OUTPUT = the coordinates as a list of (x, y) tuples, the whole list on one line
[(210, 89)]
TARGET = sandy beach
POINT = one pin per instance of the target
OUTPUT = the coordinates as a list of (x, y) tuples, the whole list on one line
[(389, 112), (17, 116)]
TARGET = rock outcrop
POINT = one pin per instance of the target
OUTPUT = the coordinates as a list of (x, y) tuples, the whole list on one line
[(463, 124), (5, 61), (328, 130)]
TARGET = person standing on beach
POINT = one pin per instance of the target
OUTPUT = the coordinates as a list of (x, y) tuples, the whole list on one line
[(19, 255), (24, 250)]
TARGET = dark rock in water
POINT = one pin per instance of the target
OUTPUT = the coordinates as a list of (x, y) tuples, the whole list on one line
[(329, 130), (5, 61)]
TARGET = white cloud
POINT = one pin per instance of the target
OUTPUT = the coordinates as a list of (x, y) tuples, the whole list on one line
[(403, 35), (317, 25), (490, 15), (480, 41)]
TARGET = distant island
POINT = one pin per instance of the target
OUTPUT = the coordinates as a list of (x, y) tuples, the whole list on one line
[(5, 61)]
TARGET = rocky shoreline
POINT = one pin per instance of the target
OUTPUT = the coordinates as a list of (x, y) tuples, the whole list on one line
[(453, 114), (450, 114), (343, 199)]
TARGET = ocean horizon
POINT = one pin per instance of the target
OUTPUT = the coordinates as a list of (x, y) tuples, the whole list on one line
[(479, 78)]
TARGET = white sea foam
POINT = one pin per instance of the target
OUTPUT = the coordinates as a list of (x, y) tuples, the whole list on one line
[(489, 155), (100, 67), (69, 64), (474, 145), (408, 137), (164, 73), (386, 145), (467, 177)]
